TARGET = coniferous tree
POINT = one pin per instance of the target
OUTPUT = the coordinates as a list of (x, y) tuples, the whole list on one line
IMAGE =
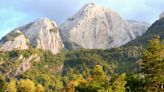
[(153, 65)]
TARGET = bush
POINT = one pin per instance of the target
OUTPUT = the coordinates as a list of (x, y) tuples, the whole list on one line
[(39, 88), (2, 84), (26, 86), (11, 87)]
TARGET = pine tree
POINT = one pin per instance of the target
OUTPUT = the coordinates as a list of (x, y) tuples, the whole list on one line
[(153, 65)]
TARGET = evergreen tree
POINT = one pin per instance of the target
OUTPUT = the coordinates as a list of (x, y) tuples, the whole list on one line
[(153, 65)]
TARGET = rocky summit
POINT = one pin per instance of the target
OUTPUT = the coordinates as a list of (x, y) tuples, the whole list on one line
[(94, 26), (42, 34)]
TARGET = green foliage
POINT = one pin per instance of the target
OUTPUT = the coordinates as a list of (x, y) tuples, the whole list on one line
[(102, 83), (85, 70), (3, 84), (119, 84), (4, 56), (14, 53), (47, 71), (121, 60), (153, 65), (98, 74), (135, 83), (55, 72)]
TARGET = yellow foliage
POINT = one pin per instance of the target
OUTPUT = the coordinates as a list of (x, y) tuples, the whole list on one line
[(26, 86), (11, 87), (39, 88)]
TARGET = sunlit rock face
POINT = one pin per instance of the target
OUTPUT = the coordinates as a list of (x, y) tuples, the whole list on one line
[(42, 34), (94, 26), (13, 40)]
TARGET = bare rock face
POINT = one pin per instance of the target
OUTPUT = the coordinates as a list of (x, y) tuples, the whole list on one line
[(137, 28), (161, 15), (97, 27), (26, 63), (42, 34), (14, 40)]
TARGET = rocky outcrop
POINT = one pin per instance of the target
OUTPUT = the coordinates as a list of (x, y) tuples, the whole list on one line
[(14, 40), (26, 63), (42, 34), (98, 27)]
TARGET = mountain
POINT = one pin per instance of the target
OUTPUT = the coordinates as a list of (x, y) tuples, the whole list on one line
[(94, 26), (41, 34), (156, 29), (138, 28), (24, 52), (161, 15)]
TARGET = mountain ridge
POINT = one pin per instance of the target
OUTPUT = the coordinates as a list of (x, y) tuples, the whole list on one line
[(94, 26), (41, 34)]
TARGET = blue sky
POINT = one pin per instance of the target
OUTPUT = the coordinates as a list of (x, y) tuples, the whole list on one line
[(15, 13)]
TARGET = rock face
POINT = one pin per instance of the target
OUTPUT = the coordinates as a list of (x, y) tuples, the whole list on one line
[(138, 28), (14, 40), (98, 27), (42, 34), (161, 15), (26, 63)]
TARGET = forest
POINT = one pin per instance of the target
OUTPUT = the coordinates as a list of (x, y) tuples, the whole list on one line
[(131, 69)]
